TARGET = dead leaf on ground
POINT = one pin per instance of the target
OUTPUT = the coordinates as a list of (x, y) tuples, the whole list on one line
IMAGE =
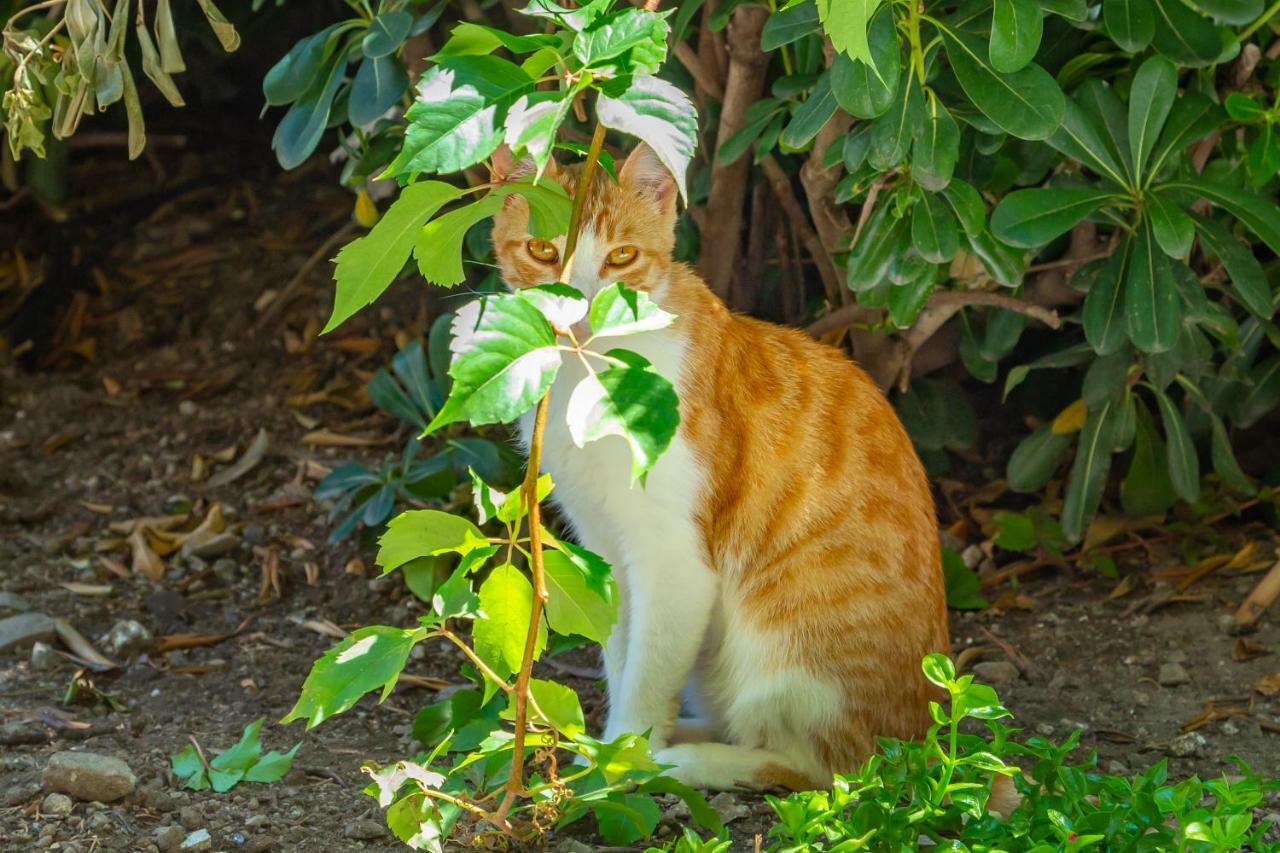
[(172, 642), (82, 651), (100, 509), (246, 463), (114, 567), (158, 523), (145, 560), (1104, 528), (1215, 709), (1126, 585), (1246, 649), (270, 588), (1268, 685), (324, 627), (354, 566), (327, 438), (313, 572), (214, 523), (94, 589)]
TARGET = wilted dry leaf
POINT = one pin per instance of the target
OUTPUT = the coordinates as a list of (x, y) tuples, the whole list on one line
[(354, 566), (1211, 711), (214, 523), (1268, 685), (1126, 585), (326, 438), (270, 588), (1267, 590), (93, 589), (313, 573), (145, 560), (156, 523), (1246, 649), (111, 386), (1104, 528), (305, 421), (423, 681), (115, 567), (224, 455), (82, 648), (325, 627), (199, 468), (100, 509), (172, 642), (58, 440), (252, 456)]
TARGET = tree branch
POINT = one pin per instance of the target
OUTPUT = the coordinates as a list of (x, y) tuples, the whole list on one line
[(780, 183)]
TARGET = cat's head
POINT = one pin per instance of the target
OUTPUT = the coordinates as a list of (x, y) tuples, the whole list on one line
[(627, 234)]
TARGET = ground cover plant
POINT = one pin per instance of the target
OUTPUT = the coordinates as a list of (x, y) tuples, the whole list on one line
[(1076, 197)]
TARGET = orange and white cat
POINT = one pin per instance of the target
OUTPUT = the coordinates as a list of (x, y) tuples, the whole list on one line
[(781, 567)]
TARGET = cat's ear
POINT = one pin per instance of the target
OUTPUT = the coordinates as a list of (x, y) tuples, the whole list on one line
[(504, 167), (646, 175)]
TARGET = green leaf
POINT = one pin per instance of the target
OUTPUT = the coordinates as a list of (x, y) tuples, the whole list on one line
[(866, 89), (1150, 98), (1193, 117), (845, 22), (1033, 217), (272, 767), (1152, 307), (873, 253), (1016, 28), (1084, 135), (562, 305), (1035, 460), (633, 402), (617, 311), (378, 85), (506, 601), (454, 123), (908, 300), (624, 819), (1263, 393), (1016, 531), (661, 116), (470, 39), (936, 151), (369, 659), (1264, 157), (532, 123), (560, 706), (294, 74), (788, 24), (1244, 108), (504, 360), (1000, 262), (637, 32), (757, 117), (1173, 228), (581, 601), (386, 33), (438, 244), (964, 589), (188, 767), (1184, 36), (812, 115), (365, 267), (1106, 379), (426, 533), (1246, 274), (1088, 472), (892, 133), (933, 230), (1183, 461), (576, 18), (300, 130), (1130, 23), (1146, 489), (1103, 314), (967, 204), (1027, 104), (1230, 12), (1257, 212), (1224, 459)]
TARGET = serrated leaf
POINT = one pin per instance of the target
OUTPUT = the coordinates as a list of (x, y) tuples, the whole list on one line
[(579, 603), (559, 705), (369, 659), (426, 533), (506, 601), (661, 116), (617, 311), (845, 22), (367, 266), (639, 33), (532, 123), (437, 246)]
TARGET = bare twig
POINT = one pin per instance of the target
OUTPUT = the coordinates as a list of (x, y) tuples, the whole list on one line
[(780, 183)]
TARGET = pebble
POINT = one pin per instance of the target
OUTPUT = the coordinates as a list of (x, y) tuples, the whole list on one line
[(364, 830), (198, 840), (169, 838), (186, 408), (728, 807), (126, 638), (89, 776), (43, 658), (227, 570), (190, 817), (18, 632), (13, 601), (257, 821), (995, 672), (1172, 675), (56, 804), (573, 845), (259, 844), (1188, 745)]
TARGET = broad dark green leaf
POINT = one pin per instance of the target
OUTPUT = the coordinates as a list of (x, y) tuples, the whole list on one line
[(892, 133), (936, 149), (968, 206), (1146, 489), (1193, 117), (1027, 104), (1072, 356), (1035, 460), (962, 584), (633, 402), (1130, 23), (933, 230), (294, 74), (624, 819), (365, 267), (1184, 36), (1264, 156), (386, 33), (1174, 229), (1033, 217), (1230, 12), (1224, 458), (1242, 107), (865, 91), (1242, 267), (873, 253), (1001, 263), (369, 659), (811, 115), (786, 25), (908, 300), (1103, 315), (1152, 307), (504, 360), (1262, 394), (378, 85), (1183, 461), (1105, 380), (1257, 212), (1073, 10), (1016, 29), (454, 122), (660, 115), (1150, 98), (299, 132), (756, 118), (1088, 472)]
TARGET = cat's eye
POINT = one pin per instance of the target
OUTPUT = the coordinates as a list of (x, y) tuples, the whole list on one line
[(622, 256), (543, 251)]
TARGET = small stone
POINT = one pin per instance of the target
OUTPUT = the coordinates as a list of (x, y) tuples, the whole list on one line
[(573, 845), (364, 830), (226, 570), (1188, 745), (257, 821), (259, 844), (43, 657), (14, 602), (253, 534), (19, 793), (190, 817), (728, 807), (89, 776), (56, 804), (198, 840), (186, 408), (18, 632), (1229, 728), (126, 638), (169, 838), (1172, 675), (995, 672), (972, 556)]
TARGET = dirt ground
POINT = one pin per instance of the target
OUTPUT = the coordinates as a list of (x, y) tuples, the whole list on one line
[(173, 356)]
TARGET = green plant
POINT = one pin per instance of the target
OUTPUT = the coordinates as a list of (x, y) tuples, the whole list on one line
[(243, 762), (939, 788)]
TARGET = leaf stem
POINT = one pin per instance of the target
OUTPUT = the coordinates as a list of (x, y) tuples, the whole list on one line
[(1261, 22)]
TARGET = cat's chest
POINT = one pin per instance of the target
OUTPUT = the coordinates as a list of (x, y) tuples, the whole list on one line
[(594, 481)]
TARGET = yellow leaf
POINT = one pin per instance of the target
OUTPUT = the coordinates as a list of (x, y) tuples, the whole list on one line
[(366, 211), (1070, 419)]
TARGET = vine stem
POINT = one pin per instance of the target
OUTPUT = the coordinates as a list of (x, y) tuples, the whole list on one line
[(515, 781), (1261, 22)]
